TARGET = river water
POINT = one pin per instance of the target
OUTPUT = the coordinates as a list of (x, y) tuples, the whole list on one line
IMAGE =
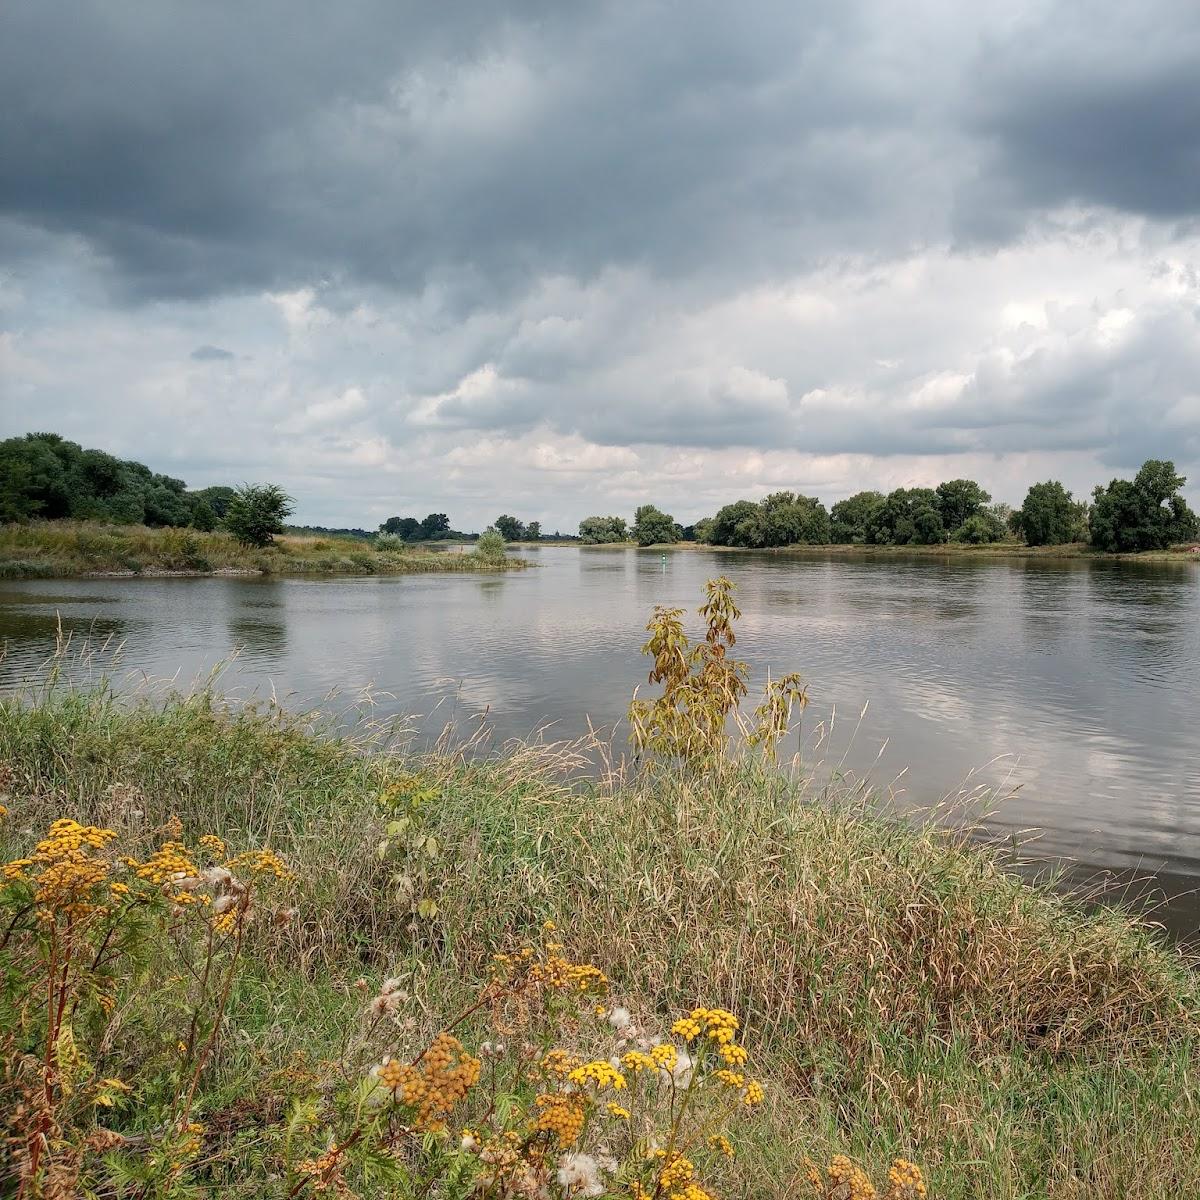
[(1071, 687)]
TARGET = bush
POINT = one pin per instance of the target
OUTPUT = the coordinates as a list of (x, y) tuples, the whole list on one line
[(257, 513), (491, 545)]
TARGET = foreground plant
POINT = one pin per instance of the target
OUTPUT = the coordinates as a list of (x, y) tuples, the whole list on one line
[(567, 1097), (703, 687), (82, 921)]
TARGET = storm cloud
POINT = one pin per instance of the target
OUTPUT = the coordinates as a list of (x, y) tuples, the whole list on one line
[(567, 257)]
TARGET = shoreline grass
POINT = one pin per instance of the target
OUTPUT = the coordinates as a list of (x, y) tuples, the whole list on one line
[(906, 995), (58, 549)]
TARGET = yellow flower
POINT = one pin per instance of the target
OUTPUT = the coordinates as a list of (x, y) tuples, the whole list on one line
[(616, 1110), (719, 1141), (636, 1061), (664, 1055), (753, 1094), (603, 1074)]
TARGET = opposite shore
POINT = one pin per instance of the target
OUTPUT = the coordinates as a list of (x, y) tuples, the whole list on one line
[(64, 549)]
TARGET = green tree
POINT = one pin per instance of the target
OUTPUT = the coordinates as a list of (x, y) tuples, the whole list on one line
[(980, 528), (435, 525), (1047, 517), (533, 531), (653, 527), (736, 524), (257, 513), (851, 518), (408, 528), (203, 517), (1147, 514), (509, 528), (595, 531), (907, 515), (958, 500)]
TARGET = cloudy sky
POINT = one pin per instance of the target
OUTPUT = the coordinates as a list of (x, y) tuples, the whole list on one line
[(560, 258)]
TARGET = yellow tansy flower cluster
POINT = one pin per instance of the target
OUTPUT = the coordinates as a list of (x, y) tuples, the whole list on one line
[(635, 1061), (720, 1025), (436, 1084), (753, 1094), (853, 1181), (905, 1181), (719, 1141), (729, 1078), (560, 1063), (603, 1074), (64, 868), (260, 862), (561, 1115), (664, 1055), (616, 1110), (557, 972), (169, 863), (213, 845)]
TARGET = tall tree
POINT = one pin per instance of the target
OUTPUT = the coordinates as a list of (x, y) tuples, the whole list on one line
[(959, 500), (1047, 517), (509, 528), (435, 525), (652, 526), (1145, 514)]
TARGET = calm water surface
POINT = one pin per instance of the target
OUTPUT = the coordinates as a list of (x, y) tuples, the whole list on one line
[(1072, 685)]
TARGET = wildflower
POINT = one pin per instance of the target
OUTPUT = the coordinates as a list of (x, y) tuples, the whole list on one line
[(168, 864), (733, 1054), (260, 862), (635, 1061), (615, 1110), (65, 869), (561, 1115), (579, 1174), (719, 1141), (729, 1078), (469, 1140), (853, 1181), (664, 1056), (602, 1074), (213, 844), (906, 1181), (442, 1078), (753, 1095)]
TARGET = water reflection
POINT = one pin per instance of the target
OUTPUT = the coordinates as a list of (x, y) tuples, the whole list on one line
[(1073, 682)]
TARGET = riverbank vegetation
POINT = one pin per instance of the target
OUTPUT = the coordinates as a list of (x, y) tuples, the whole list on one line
[(899, 996), (48, 549)]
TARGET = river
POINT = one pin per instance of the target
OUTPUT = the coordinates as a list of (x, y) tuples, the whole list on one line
[(1069, 687)]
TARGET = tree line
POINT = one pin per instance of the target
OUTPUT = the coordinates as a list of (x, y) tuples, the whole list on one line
[(45, 476), (1145, 513)]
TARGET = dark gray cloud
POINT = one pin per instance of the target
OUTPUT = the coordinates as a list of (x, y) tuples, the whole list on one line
[(211, 354)]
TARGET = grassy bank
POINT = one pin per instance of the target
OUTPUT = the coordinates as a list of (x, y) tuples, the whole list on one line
[(900, 995), (48, 549)]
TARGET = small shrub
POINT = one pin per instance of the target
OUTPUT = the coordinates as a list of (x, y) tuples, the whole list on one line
[(491, 545)]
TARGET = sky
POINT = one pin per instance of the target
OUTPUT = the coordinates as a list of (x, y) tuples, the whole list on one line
[(561, 259)]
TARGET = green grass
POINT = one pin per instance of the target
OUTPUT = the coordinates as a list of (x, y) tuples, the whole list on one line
[(49, 549), (901, 993)]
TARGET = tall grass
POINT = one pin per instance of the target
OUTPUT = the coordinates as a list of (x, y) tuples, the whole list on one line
[(45, 549), (905, 994)]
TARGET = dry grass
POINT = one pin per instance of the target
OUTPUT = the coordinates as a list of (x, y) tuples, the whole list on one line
[(44, 549), (906, 996)]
